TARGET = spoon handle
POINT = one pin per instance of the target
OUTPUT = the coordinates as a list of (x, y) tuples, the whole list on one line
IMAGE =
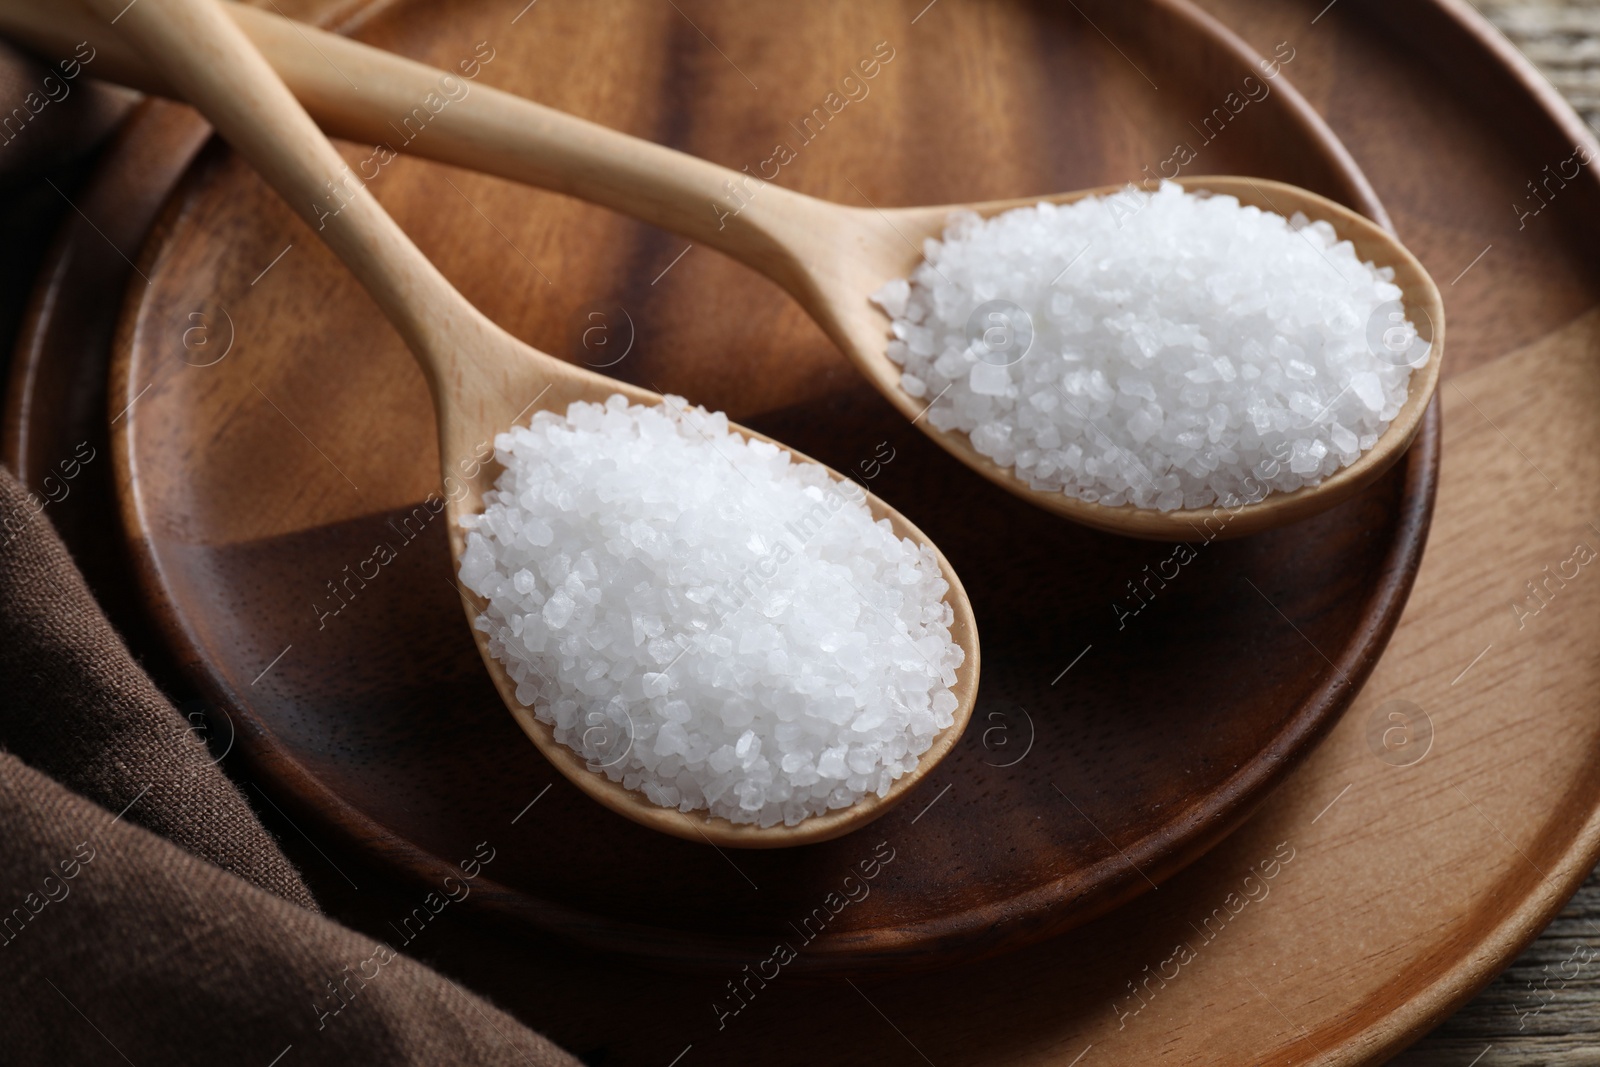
[(368, 95), (207, 60)]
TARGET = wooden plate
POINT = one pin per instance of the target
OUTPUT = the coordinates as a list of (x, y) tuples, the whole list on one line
[(1140, 700), (1411, 885)]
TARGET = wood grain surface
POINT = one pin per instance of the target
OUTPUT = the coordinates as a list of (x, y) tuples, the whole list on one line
[(1562, 38), (1545, 1008), (377, 721), (1409, 884)]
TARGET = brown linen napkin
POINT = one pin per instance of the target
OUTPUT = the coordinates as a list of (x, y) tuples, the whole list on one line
[(113, 936), (79, 709), (146, 915), (117, 943)]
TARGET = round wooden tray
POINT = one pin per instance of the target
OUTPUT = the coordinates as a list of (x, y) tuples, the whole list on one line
[(1410, 884), (1113, 742)]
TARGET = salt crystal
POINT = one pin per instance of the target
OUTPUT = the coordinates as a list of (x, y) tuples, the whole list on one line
[(703, 618), (1186, 321), (986, 379), (1368, 390)]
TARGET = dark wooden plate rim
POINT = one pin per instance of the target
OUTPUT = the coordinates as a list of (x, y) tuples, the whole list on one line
[(1022, 918)]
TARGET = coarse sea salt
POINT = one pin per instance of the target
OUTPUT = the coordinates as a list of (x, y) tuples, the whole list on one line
[(1161, 349), (706, 620)]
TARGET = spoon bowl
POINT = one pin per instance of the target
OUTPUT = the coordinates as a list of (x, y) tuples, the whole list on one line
[(852, 251), (482, 379), (502, 371), (830, 257)]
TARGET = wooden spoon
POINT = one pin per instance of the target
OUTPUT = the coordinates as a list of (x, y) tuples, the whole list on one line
[(828, 256), (481, 377)]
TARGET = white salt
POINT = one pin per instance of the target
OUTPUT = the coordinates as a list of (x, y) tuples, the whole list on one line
[(705, 620), (1166, 350)]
